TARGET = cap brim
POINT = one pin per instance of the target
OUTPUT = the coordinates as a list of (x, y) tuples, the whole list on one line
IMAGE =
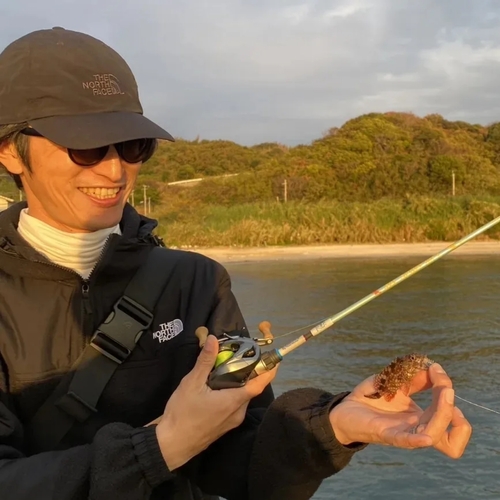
[(96, 130)]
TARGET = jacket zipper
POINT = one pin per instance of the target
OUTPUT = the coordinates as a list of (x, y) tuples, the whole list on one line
[(86, 314), (86, 305), (85, 288)]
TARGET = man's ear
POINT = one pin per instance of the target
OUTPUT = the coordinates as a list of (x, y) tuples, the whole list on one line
[(10, 159)]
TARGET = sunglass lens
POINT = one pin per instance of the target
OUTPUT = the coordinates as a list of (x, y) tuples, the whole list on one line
[(88, 157), (134, 151), (138, 150)]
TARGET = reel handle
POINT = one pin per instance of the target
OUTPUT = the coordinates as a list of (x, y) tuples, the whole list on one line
[(201, 333), (265, 329)]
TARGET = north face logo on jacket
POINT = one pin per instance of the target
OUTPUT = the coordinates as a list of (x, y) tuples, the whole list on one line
[(168, 330)]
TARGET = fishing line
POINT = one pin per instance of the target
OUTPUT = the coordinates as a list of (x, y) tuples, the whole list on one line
[(299, 329), (479, 406)]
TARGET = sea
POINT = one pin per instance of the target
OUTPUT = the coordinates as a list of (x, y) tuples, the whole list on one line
[(449, 311)]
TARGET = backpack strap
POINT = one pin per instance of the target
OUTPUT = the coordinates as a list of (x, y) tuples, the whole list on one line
[(112, 343)]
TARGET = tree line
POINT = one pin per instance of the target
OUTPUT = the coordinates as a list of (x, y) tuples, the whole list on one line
[(373, 156)]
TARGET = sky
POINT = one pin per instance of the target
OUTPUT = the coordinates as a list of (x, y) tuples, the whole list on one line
[(286, 71)]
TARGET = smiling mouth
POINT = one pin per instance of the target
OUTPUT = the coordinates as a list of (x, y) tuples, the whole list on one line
[(101, 193)]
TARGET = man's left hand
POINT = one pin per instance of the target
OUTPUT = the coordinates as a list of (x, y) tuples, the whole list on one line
[(401, 422)]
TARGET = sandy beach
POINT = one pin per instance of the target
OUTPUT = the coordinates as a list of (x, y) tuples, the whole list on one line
[(424, 250)]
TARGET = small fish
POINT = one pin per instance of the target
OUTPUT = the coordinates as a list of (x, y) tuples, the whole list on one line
[(398, 375)]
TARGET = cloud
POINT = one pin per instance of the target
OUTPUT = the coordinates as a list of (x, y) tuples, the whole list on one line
[(280, 70)]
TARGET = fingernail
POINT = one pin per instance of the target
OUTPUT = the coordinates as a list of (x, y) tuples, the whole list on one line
[(450, 396), (210, 346), (438, 368), (460, 412)]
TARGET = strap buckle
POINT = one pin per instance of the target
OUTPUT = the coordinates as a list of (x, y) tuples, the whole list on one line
[(114, 339)]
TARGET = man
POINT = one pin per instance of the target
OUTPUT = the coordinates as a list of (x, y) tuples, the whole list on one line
[(73, 136)]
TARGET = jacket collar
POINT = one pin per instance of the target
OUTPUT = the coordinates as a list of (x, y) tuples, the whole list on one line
[(136, 229)]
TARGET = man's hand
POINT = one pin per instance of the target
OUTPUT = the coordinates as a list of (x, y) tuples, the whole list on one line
[(196, 416), (401, 422)]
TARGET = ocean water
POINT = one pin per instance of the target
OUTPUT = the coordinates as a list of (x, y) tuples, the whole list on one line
[(449, 311)]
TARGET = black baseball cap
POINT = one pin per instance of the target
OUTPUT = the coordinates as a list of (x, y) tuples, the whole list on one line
[(73, 89)]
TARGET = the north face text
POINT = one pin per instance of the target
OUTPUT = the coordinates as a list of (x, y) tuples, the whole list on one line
[(169, 330), (103, 84)]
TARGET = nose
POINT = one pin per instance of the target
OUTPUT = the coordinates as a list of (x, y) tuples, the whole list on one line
[(111, 166)]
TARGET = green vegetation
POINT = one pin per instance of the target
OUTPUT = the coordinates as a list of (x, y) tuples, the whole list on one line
[(299, 223), (381, 177), (8, 188), (368, 158)]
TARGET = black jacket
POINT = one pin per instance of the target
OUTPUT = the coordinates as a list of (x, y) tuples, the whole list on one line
[(283, 450)]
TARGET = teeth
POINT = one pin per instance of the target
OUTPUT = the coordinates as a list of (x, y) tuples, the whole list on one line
[(100, 193)]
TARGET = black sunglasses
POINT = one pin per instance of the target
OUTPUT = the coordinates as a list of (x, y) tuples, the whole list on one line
[(134, 151)]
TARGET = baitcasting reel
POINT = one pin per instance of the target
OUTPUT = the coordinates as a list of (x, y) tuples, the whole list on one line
[(238, 357)]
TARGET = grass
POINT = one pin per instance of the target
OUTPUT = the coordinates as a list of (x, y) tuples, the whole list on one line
[(416, 219)]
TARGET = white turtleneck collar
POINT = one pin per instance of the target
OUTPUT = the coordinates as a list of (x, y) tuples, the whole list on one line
[(77, 251)]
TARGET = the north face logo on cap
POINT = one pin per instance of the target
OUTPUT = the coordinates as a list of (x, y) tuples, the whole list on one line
[(103, 84)]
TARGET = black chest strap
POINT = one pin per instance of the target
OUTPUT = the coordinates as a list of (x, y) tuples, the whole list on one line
[(111, 344)]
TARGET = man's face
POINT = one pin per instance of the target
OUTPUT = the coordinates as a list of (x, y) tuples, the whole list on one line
[(70, 197)]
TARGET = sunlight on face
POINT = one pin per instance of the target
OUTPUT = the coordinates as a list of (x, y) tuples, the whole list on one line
[(67, 196)]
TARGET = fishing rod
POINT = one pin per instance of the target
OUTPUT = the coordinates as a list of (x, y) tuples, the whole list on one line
[(240, 358)]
